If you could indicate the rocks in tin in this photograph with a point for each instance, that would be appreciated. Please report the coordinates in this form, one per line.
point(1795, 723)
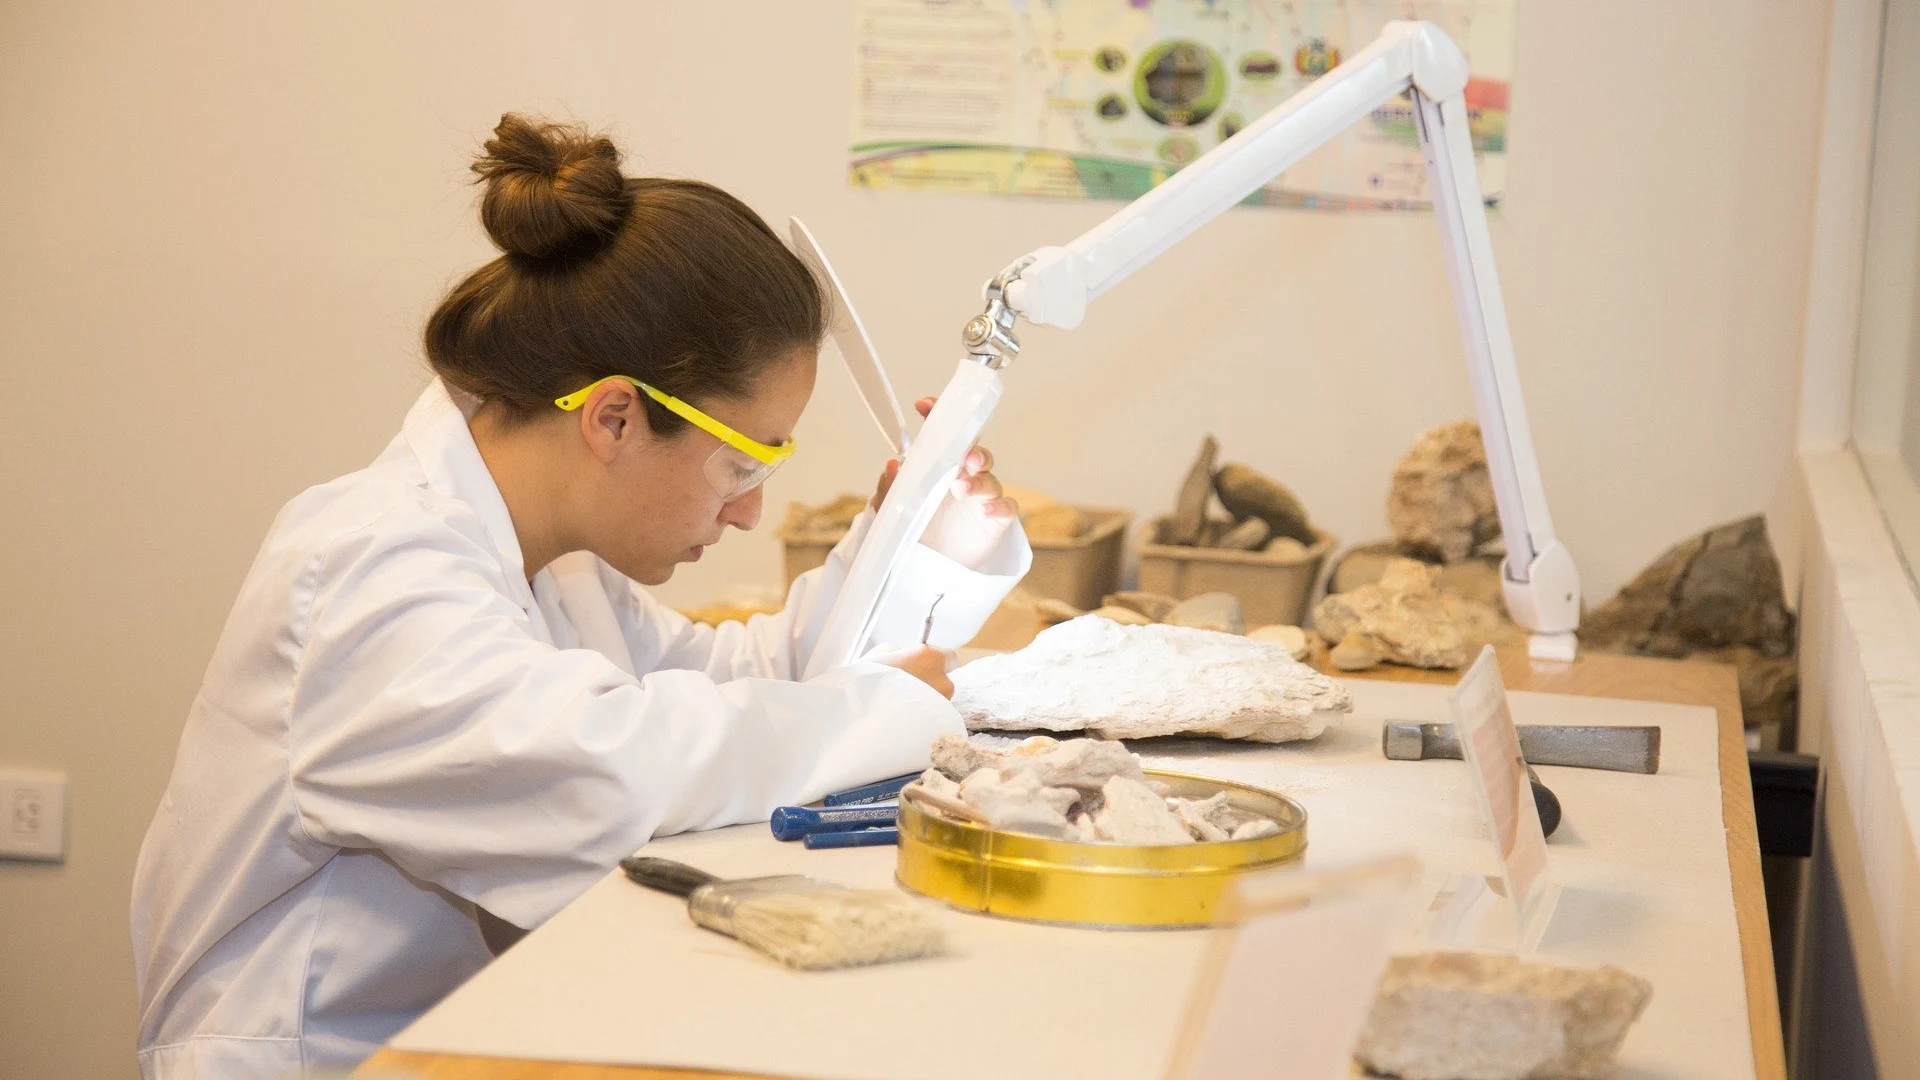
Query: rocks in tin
point(1085, 764)
point(1247, 492)
point(954, 756)
point(1124, 682)
point(1448, 1015)
point(1132, 814)
point(1216, 611)
point(1440, 502)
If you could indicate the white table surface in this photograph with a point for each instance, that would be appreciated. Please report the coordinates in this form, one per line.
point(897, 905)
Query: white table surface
point(622, 977)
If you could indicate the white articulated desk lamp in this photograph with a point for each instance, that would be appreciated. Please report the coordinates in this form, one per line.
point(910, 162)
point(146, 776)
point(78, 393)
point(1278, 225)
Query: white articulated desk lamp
point(1051, 287)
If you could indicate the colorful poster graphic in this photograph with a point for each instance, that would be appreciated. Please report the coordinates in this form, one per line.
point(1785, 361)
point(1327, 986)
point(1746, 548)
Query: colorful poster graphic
point(1103, 99)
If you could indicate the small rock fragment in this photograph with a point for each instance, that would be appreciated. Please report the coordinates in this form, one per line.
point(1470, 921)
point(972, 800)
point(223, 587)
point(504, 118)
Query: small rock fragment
point(1121, 615)
point(957, 758)
point(1190, 512)
point(1019, 803)
point(1356, 652)
point(1083, 764)
point(1057, 522)
point(1291, 638)
point(1192, 814)
point(1153, 605)
point(1250, 535)
point(1439, 1016)
point(1052, 612)
point(1133, 814)
point(1216, 611)
point(1255, 829)
point(1247, 492)
point(1084, 830)
point(939, 783)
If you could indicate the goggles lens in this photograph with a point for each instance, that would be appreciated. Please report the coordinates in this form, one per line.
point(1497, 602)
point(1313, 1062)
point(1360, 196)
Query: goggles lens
point(733, 473)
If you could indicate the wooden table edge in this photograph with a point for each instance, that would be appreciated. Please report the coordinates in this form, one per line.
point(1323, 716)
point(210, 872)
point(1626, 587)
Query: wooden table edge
point(1593, 675)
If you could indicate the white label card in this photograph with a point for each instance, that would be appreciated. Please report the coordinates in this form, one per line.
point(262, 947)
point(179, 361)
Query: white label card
point(1491, 747)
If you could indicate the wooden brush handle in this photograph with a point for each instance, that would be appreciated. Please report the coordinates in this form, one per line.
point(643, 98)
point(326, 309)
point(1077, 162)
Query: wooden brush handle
point(665, 874)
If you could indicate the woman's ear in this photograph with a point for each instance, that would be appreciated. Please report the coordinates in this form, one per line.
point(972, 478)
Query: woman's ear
point(612, 419)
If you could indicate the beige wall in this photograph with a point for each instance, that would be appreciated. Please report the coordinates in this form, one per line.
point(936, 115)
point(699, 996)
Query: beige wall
point(221, 227)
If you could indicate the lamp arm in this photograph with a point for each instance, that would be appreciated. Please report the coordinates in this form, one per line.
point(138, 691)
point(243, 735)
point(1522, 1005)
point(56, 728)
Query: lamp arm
point(1052, 285)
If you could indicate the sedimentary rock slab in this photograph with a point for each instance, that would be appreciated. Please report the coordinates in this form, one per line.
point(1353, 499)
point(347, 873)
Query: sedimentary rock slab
point(1487, 1016)
point(1126, 682)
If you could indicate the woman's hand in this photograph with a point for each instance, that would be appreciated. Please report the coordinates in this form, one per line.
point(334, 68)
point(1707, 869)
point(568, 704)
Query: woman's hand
point(976, 513)
point(923, 662)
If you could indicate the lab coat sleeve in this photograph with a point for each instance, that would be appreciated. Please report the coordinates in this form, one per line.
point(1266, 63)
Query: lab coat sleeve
point(778, 646)
point(430, 724)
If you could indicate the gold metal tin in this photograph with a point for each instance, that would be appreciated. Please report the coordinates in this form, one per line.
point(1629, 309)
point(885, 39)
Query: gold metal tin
point(1113, 886)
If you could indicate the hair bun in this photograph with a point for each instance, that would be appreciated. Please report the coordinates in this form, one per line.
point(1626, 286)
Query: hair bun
point(552, 189)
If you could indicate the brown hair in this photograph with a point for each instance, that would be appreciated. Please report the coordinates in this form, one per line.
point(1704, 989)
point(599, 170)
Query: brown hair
point(673, 282)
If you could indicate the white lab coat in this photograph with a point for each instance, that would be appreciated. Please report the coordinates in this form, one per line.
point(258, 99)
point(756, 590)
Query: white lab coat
point(396, 727)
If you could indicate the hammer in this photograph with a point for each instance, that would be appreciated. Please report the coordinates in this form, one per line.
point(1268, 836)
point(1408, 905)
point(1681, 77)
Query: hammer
point(1620, 749)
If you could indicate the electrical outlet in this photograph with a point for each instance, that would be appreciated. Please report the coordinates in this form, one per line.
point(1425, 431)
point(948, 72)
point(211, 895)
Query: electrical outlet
point(33, 815)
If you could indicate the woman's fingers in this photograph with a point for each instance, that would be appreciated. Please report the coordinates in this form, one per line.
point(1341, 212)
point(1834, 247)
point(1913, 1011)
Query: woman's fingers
point(924, 406)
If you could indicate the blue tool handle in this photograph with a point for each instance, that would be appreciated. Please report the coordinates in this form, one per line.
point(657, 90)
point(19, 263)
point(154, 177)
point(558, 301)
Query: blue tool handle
point(794, 822)
point(884, 789)
point(856, 838)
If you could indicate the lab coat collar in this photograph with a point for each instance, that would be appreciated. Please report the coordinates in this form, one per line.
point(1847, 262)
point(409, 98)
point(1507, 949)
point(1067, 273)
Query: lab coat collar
point(436, 431)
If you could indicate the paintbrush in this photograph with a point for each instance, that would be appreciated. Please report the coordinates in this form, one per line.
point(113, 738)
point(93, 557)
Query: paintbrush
point(803, 923)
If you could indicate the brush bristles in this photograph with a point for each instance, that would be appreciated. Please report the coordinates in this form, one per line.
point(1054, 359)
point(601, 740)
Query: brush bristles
point(816, 929)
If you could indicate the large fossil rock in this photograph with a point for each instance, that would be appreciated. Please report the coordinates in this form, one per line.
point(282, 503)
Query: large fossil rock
point(1406, 619)
point(1717, 596)
point(1128, 682)
point(1486, 1016)
point(1441, 500)
point(1247, 492)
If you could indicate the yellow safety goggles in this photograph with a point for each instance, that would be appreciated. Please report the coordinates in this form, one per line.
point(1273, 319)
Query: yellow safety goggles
point(738, 465)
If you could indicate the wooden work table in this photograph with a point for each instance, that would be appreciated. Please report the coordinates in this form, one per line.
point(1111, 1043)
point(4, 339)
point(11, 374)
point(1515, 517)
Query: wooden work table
point(1592, 675)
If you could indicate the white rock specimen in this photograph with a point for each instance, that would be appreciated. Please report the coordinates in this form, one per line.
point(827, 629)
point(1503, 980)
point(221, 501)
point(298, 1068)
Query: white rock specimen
point(1127, 682)
point(1019, 803)
point(1291, 638)
point(1193, 814)
point(1441, 501)
point(1256, 828)
point(1487, 1016)
point(939, 783)
point(1408, 619)
point(957, 758)
point(1082, 764)
point(1215, 611)
point(1133, 814)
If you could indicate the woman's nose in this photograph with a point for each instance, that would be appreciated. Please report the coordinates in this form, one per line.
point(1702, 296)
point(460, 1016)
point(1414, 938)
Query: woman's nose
point(743, 513)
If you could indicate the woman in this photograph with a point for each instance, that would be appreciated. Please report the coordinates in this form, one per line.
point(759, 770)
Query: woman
point(441, 701)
